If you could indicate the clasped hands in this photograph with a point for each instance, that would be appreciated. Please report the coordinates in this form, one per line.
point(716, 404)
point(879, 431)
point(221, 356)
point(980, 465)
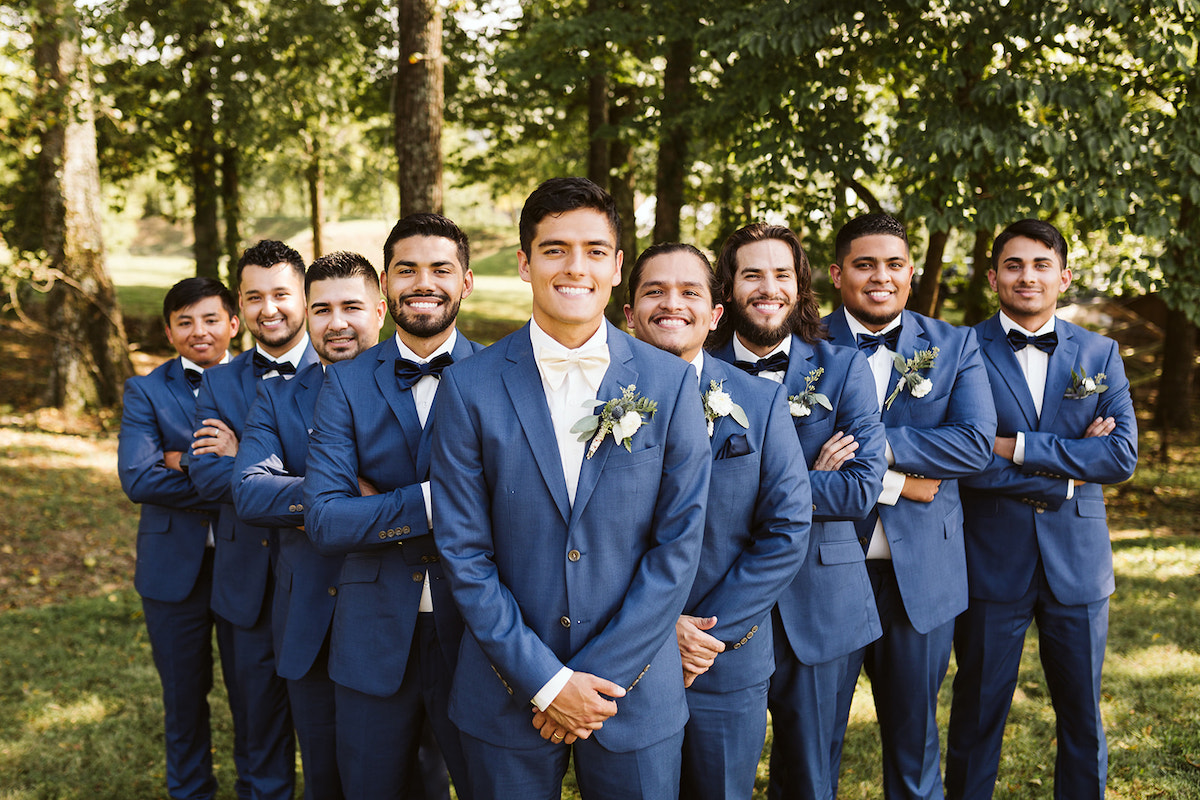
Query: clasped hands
point(580, 708)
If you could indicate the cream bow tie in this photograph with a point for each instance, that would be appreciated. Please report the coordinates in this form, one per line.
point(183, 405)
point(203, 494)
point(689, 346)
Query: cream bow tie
point(592, 362)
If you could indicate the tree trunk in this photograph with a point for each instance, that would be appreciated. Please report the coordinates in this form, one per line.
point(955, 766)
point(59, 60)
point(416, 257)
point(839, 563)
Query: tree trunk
point(418, 102)
point(315, 174)
point(622, 188)
point(1173, 410)
point(231, 204)
point(90, 356)
point(975, 304)
point(202, 159)
point(599, 166)
point(673, 140)
point(925, 299)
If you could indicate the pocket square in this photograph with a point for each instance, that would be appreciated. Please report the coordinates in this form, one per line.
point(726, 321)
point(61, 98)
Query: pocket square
point(736, 445)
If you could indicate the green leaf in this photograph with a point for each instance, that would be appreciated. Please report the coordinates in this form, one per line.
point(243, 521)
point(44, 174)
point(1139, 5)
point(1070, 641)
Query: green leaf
point(586, 426)
point(823, 401)
point(739, 416)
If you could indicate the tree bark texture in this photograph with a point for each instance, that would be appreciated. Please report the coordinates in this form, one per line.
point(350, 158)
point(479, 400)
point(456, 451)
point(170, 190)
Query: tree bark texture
point(925, 299)
point(315, 175)
point(418, 102)
point(89, 354)
point(673, 140)
point(231, 203)
point(975, 305)
point(202, 159)
point(622, 189)
point(1173, 409)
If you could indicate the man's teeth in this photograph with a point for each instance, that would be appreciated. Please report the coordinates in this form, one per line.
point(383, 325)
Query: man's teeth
point(424, 303)
point(574, 290)
point(671, 322)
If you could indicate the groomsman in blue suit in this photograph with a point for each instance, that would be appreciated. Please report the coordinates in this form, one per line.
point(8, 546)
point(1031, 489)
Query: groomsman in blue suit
point(772, 328)
point(345, 314)
point(939, 419)
point(270, 277)
point(570, 472)
point(175, 542)
point(755, 531)
point(366, 496)
point(1037, 539)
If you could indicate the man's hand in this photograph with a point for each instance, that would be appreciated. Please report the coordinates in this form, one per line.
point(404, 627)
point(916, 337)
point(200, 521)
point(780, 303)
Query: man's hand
point(1101, 426)
point(697, 649)
point(1005, 446)
point(579, 709)
point(835, 452)
point(922, 490)
point(365, 487)
point(214, 438)
point(171, 460)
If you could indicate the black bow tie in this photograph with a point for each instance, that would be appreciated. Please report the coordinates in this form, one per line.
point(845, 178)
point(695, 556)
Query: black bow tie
point(263, 365)
point(193, 377)
point(774, 363)
point(870, 342)
point(409, 372)
point(1019, 341)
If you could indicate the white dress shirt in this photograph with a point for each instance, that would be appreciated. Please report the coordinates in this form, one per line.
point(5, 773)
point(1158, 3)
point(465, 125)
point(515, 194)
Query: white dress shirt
point(292, 356)
point(742, 353)
point(422, 393)
point(566, 403)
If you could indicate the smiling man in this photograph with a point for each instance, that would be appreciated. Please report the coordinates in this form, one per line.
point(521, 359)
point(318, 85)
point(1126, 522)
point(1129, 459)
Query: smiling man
point(345, 313)
point(755, 530)
point(570, 555)
point(366, 497)
point(939, 423)
point(1037, 540)
point(270, 277)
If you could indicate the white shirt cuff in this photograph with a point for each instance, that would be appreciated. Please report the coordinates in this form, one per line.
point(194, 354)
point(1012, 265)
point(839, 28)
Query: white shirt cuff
point(1070, 488)
point(888, 454)
point(428, 504)
point(547, 693)
point(893, 484)
point(1019, 450)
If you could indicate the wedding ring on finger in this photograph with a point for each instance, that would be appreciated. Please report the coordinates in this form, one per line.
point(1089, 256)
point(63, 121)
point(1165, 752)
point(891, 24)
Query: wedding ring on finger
point(558, 737)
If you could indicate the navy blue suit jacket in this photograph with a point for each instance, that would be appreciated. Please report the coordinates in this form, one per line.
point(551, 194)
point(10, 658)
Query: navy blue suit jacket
point(1018, 514)
point(829, 609)
point(173, 530)
point(364, 425)
point(946, 434)
point(268, 491)
point(243, 557)
point(541, 583)
point(756, 528)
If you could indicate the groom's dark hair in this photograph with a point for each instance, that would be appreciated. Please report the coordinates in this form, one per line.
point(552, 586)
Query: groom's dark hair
point(560, 195)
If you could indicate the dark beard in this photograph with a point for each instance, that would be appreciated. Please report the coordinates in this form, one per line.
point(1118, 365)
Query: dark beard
point(759, 336)
point(869, 320)
point(424, 327)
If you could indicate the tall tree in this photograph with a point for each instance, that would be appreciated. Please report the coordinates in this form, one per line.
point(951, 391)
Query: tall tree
point(419, 100)
point(90, 357)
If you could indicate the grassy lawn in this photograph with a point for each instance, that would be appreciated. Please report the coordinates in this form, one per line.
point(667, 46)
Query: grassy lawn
point(80, 713)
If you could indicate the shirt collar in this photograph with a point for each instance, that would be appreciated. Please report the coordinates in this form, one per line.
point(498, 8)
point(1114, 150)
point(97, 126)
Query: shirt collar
point(857, 327)
point(292, 356)
point(1007, 323)
point(544, 342)
point(445, 347)
point(698, 363)
point(742, 353)
point(189, 364)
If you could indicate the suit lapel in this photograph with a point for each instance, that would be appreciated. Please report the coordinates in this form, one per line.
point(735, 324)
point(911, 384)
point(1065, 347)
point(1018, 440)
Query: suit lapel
point(305, 399)
point(714, 371)
point(401, 403)
point(1058, 374)
point(249, 381)
point(620, 373)
point(800, 364)
point(523, 383)
point(998, 351)
point(462, 348)
point(912, 339)
point(181, 390)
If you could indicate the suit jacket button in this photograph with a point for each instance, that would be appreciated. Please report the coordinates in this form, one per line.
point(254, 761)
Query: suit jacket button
point(418, 577)
point(1041, 510)
point(403, 531)
point(299, 506)
point(564, 621)
point(573, 555)
point(265, 543)
point(332, 591)
point(862, 540)
point(292, 507)
point(391, 532)
point(814, 506)
point(382, 534)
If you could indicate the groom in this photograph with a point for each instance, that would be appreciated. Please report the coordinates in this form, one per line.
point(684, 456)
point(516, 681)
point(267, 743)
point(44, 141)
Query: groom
point(570, 560)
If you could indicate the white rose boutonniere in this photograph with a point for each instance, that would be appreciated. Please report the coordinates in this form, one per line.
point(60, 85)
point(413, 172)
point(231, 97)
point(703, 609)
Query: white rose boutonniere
point(623, 416)
point(1082, 386)
point(718, 403)
point(910, 375)
point(801, 405)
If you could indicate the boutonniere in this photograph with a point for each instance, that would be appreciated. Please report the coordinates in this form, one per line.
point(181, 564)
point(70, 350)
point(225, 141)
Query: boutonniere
point(1082, 386)
point(621, 415)
point(910, 374)
point(800, 405)
point(718, 403)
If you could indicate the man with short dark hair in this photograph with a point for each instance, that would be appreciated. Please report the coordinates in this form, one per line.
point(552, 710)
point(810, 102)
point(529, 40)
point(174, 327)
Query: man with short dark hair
point(1037, 541)
point(932, 391)
point(174, 543)
point(270, 279)
point(755, 528)
point(366, 497)
point(772, 328)
point(570, 471)
point(345, 314)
